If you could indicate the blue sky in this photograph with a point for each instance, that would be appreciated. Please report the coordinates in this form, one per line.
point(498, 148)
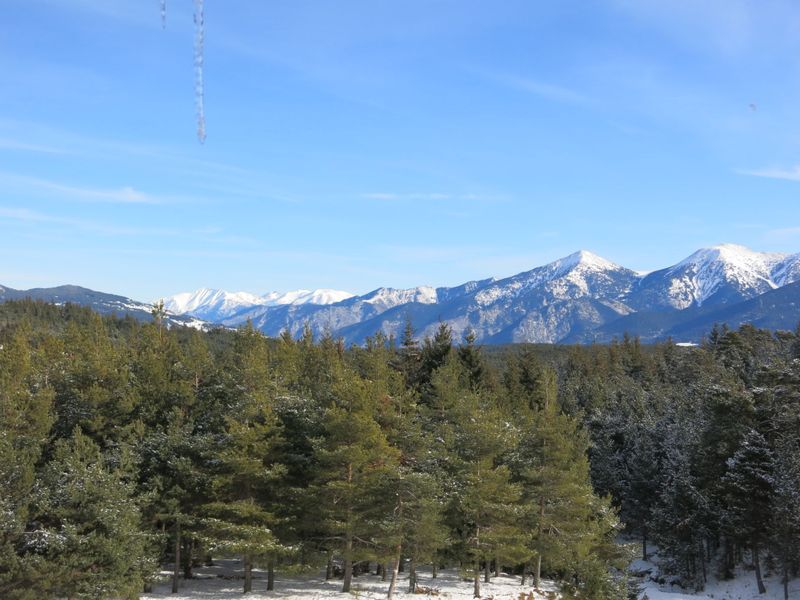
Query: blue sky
point(359, 143)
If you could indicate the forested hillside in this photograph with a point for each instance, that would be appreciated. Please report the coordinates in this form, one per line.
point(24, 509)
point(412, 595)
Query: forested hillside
point(125, 446)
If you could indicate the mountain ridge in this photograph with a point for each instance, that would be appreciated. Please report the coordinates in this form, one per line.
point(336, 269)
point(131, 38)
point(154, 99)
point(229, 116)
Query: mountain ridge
point(580, 298)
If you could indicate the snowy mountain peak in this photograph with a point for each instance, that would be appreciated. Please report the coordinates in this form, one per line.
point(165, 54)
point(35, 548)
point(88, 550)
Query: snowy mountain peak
point(388, 297)
point(729, 270)
point(736, 256)
point(207, 302)
point(585, 260)
point(319, 296)
point(217, 305)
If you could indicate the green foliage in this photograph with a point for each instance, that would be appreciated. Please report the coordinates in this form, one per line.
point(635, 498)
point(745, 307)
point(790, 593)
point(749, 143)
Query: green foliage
point(87, 534)
point(125, 445)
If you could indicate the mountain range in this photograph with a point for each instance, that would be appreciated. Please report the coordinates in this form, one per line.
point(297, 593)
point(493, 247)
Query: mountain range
point(100, 302)
point(581, 298)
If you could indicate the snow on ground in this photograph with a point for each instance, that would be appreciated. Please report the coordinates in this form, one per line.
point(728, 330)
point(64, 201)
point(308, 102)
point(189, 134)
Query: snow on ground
point(743, 587)
point(223, 581)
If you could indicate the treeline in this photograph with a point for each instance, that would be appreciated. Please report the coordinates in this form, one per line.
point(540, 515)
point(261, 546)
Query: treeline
point(126, 446)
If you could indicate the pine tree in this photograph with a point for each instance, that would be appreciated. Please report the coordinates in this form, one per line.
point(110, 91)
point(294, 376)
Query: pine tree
point(785, 522)
point(355, 460)
point(26, 416)
point(572, 527)
point(750, 485)
point(472, 361)
point(485, 500)
point(88, 525)
point(247, 474)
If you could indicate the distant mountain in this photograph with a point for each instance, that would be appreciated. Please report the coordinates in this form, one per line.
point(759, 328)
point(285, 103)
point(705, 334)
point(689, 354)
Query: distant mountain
point(100, 302)
point(544, 304)
point(219, 305)
point(719, 275)
point(581, 298)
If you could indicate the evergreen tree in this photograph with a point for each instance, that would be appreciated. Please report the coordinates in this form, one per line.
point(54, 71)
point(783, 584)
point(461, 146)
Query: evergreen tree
point(572, 527)
point(247, 475)
point(785, 523)
point(26, 416)
point(750, 485)
point(355, 460)
point(88, 526)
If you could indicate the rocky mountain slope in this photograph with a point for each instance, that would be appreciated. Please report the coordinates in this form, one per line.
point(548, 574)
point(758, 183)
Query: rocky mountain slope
point(580, 298)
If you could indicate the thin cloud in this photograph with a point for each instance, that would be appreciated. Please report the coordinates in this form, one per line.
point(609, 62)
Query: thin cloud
point(9, 144)
point(123, 195)
point(783, 232)
point(544, 89)
point(394, 196)
point(29, 216)
point(791, 174)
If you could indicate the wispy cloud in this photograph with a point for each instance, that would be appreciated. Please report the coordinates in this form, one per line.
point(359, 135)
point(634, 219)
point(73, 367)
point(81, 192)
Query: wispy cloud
point(395, 196)
point(790, 174)
point(544, 89)
point(122, 195)
point(10, 144)
point(783, 233)
point(25, 215)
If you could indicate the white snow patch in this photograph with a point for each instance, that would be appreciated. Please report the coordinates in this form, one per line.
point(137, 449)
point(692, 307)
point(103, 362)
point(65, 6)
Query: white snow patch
point(224, 581)
point(389, 297)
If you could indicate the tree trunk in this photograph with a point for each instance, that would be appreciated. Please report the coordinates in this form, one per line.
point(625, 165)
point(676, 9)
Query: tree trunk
point(487, 571)
point(176, 571)
point(476, 587)
point(757, 564)
point(524, 572)
point(187, 558)
point(329, 567)
point(384, 570)
point(348, 564)
point(271, 573)
point(785, 580)
point(537, 574)
point(395, 570)
point(412, 576)
point(703, 561)
point(435, 569)
point(644, 543)
point(248, 574)
point(497, 566)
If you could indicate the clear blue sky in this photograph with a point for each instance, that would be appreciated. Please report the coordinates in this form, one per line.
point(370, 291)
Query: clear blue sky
point(359, 143)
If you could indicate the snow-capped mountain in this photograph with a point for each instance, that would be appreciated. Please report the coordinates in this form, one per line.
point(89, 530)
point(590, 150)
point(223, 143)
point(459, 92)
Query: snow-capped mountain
point(718, 275)
point(579, 298)
point(544, 304)
point(787, 271)
point(100, 302)
point(219, 305)
point(211, 305)
point(320, 296)
point(339, 315)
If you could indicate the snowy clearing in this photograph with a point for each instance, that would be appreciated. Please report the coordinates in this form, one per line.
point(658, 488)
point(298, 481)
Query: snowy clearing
point(743, 587)
point(223, 581)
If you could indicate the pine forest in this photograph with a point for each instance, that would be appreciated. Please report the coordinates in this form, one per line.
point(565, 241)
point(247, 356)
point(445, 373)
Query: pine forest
point(128, 446)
